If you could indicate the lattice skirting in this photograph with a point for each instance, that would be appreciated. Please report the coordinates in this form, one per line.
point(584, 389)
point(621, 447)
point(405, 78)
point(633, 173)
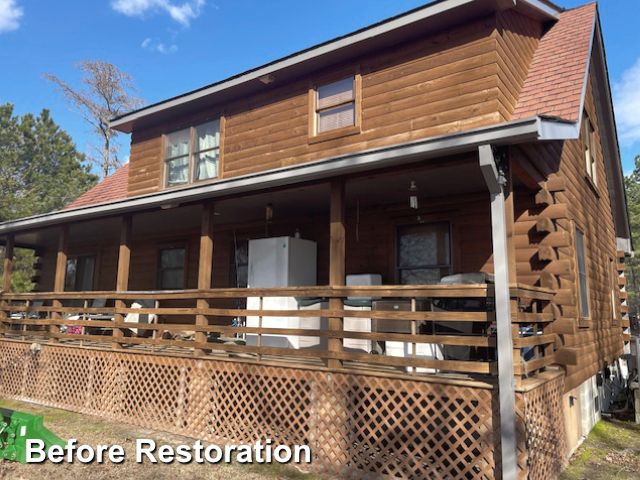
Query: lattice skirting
point(358, 425)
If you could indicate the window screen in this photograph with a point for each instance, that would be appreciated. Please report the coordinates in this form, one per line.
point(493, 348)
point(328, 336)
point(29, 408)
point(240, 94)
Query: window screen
point(582, 272)
point(335, 105)
point(423, 254)
point(171, 268)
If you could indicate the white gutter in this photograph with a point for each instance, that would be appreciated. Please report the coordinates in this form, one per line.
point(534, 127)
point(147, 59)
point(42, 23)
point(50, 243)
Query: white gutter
point(545, 8)
point(529, 129)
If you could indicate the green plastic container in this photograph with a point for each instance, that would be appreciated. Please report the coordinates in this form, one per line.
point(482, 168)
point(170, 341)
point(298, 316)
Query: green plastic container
point(18, 427)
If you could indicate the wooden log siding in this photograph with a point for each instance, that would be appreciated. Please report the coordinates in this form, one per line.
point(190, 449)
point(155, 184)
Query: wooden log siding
point(532, 313)
point(572, 201)
point(462, 78)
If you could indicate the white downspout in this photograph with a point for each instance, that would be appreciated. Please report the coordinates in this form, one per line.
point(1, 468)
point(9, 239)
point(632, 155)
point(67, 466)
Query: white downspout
point(495, 182)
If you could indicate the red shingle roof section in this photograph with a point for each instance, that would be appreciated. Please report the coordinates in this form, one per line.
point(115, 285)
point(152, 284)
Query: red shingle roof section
point(556, 78)
point(112, 188)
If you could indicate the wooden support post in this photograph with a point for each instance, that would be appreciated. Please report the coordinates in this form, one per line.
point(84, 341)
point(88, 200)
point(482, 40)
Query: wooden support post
point(8, 264)
point(6, 280)
point(496, 182)
point(122, 279)
point(337, 264)
point(204, 269)
point(509, 213)
point(60, 276)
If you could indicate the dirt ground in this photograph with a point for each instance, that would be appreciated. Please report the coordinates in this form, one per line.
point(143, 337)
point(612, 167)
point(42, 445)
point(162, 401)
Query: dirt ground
point(611, 452)
point(92, 431)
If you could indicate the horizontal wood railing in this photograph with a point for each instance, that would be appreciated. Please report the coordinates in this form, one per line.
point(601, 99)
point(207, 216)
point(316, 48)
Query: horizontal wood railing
point(461, 335)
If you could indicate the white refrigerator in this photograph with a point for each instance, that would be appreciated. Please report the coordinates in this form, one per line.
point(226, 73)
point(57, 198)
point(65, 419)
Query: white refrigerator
point(282, 262)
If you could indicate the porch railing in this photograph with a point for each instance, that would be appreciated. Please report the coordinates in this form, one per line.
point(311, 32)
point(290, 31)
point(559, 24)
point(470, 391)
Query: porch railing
point(440, 329)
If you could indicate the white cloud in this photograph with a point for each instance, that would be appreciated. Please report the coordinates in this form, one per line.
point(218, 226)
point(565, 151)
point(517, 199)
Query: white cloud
point(10, 14)
point(155, 45)
point(627, 105)
point(182, 13)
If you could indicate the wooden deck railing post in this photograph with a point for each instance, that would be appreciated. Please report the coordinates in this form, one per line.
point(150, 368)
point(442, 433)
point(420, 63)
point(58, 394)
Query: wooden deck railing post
point(60, 276)
point(6, 279)
point(337, 264)
point(122, 279)
point(205, 268)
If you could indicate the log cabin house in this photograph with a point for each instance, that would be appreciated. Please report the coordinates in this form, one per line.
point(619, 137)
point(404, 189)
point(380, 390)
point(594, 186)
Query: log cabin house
point(403, 247)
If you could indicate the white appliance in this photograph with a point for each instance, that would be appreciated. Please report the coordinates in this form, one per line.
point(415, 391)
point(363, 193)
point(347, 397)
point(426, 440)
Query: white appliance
point(364, 280)
point(355, 324)
point(362, 304)
point(427, 351)
point(281, 262)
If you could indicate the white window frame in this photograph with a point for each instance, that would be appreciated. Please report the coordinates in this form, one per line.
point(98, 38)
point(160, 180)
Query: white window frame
point(191, 154)
point(315, 111)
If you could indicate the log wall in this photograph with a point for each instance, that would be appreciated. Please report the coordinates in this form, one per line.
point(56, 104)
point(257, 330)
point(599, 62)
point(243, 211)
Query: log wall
point(465, 77)
point(545, 228)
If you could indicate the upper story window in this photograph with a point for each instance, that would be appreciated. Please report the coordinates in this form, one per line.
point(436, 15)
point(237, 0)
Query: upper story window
point(589, 148)
point(192, 154)
point(335, 108)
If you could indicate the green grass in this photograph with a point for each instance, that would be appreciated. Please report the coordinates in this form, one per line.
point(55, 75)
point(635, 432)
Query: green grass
point(611, 452)
point(93, 431)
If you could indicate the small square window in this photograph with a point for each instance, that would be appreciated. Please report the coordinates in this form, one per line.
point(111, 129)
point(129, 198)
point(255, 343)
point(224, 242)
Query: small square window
point(335, 106)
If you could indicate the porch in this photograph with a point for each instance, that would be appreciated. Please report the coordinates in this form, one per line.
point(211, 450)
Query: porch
point(184, 269)
point(397, 380)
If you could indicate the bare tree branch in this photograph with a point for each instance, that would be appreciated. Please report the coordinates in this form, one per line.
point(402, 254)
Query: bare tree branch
point(107, 93)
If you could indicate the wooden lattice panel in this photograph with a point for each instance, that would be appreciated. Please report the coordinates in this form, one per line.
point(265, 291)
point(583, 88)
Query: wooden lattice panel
point(543, 415)
point(358, 425)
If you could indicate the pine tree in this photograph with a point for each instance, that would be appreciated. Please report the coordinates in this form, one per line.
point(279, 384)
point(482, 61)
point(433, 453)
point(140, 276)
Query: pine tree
point(40, 171)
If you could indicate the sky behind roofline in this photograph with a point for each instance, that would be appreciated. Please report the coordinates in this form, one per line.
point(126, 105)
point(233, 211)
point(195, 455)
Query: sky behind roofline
point(174, 46)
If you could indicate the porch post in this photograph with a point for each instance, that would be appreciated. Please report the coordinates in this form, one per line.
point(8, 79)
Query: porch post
point(337, 264)
point(122, 279)
point(60, 276)
point(496, 182)
point(8, 264)
point(205, 268)
point(6, 278)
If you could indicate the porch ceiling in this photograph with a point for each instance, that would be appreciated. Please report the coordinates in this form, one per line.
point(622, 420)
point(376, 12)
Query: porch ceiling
point(452, 176)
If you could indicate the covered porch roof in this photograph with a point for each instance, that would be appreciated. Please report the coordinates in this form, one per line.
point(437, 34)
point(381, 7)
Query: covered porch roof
point(531, 129)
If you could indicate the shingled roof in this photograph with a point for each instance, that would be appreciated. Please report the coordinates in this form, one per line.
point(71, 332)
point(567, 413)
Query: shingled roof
point(558, 71)
point(112, 188)
point(553, 87)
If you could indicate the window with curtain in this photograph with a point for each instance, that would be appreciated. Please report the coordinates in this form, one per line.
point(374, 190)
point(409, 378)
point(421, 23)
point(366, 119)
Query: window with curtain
point(336, 105)
point(423, 254)
point(589, 148)
point(192, 154)
point(171, 268)
point(582, 274)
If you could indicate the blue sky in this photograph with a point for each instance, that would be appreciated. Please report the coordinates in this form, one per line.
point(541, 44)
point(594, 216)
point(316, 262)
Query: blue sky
point(173, 46)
